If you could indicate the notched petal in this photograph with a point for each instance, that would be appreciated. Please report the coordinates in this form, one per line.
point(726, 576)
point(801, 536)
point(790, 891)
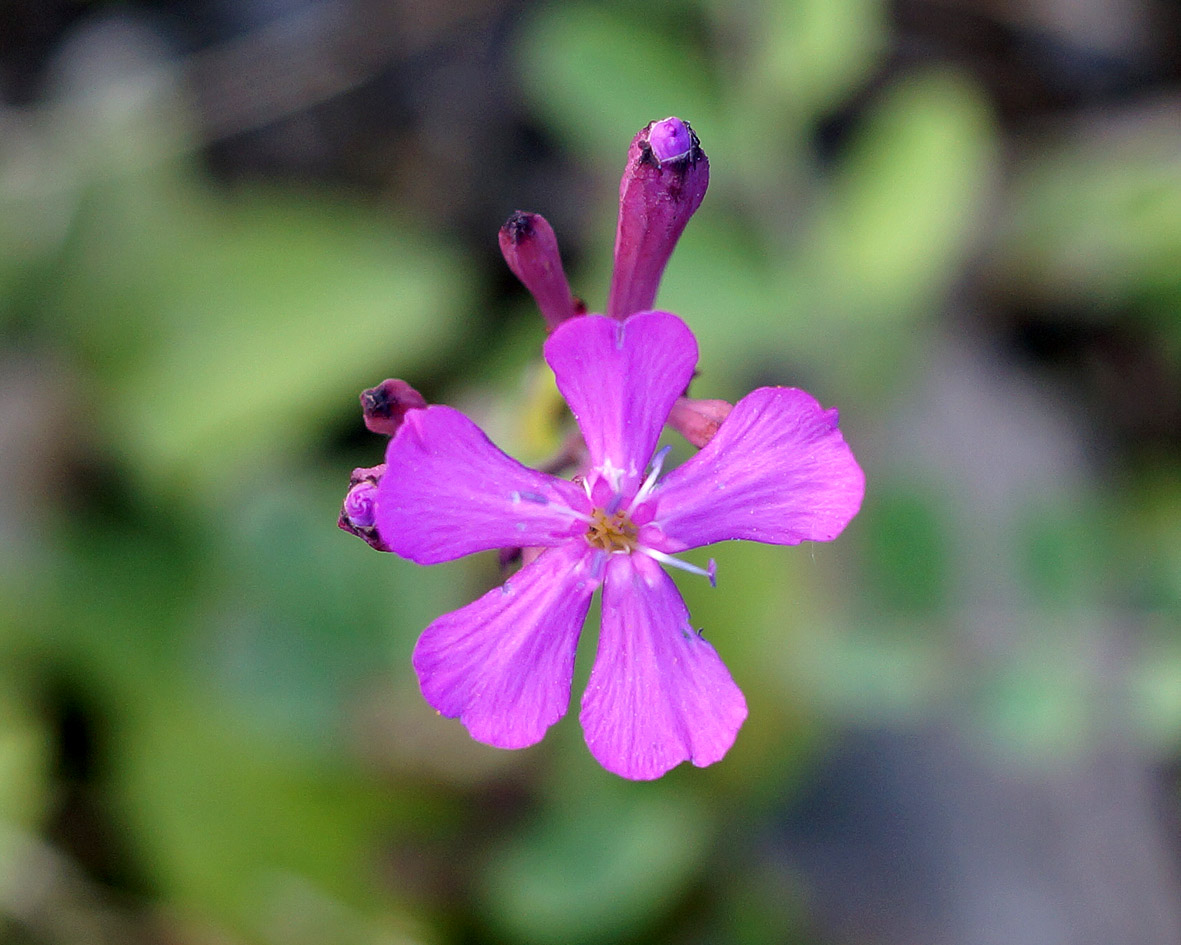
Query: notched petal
point(658, 693)
point(621, 380)
point(502, 665)
point(778, 470)
point(448, 492)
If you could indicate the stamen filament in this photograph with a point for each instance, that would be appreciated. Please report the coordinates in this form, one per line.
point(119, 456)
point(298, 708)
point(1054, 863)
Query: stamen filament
point(669, 561)
point(573, 514)
point(653, 473)
point(559, 507)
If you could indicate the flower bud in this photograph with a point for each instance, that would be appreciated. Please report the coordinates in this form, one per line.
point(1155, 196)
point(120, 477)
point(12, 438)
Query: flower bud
point(385, 405)
point(698, 420)
point(530, 248)
point(662, 187)
point(358, 514)
point(670, 139)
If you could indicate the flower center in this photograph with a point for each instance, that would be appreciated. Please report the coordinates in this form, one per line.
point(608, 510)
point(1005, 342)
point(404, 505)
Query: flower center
point(611, 533)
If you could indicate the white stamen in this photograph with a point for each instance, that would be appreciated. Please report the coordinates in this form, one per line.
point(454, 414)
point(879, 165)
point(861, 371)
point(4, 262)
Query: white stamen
point(558, 508)
point(671, 562)
point(653, 475)
point(572, 514)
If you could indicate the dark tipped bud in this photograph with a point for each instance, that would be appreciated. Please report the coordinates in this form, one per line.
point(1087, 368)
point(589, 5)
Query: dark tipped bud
point(663, 185)
point(530, 248)
point(698, 420)
point(358, 513)
point(385, 406)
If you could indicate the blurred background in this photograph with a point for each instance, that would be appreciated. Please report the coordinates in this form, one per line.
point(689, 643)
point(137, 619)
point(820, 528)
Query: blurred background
point(221, 219)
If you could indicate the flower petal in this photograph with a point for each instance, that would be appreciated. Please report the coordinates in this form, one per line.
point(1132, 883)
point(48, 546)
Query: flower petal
point(503, 663)
point(620, 380)
point(658, 694)
point(448, 491)
point(777, 471)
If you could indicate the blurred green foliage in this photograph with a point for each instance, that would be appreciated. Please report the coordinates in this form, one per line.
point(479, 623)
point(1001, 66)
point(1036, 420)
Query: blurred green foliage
point(259, 750)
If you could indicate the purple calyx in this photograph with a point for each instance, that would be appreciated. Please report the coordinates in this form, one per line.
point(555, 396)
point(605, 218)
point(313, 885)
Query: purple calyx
point(530, 248)
point(663, 184)
point(698, 421)
point(385, 406)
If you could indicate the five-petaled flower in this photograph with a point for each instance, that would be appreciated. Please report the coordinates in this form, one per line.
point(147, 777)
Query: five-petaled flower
point(778, 471)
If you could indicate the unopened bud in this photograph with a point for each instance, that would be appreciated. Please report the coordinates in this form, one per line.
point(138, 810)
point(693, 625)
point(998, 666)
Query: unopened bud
point(358, 513)
point(670, 139)
point(698, 420)
point(385, 405)
point(530, 248)
point(663, 185)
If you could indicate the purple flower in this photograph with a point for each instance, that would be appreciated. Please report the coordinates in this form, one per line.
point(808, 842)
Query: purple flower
point(777, 471)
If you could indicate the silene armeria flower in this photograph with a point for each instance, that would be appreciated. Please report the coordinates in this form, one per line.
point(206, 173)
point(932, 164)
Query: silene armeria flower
point(777, 470)
point(771, 468)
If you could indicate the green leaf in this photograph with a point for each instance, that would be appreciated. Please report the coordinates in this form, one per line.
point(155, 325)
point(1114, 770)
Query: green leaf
point(595, 868)
point(909, 551)
point(598, 75)
point(225, 327)
point(905, 203)
point(25, 758)
point(810, 54)
point(720, 281)
point(1097, 228)
point(226, 821)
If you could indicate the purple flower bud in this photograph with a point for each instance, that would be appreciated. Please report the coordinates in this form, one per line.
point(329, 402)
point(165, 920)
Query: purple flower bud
point(358, 514)
point(530, 248)
point(360, 506)
point(698, 420)
point(670, 139)
point(662, 187)
point(386, 404)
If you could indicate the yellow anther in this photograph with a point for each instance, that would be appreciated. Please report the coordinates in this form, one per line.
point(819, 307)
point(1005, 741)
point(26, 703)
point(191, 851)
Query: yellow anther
point(616, 533)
